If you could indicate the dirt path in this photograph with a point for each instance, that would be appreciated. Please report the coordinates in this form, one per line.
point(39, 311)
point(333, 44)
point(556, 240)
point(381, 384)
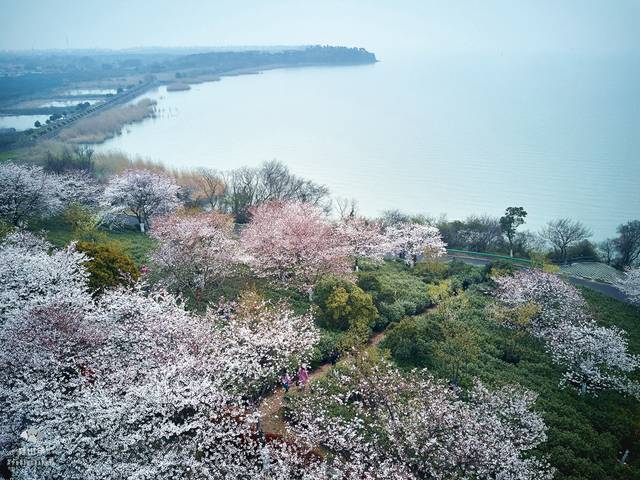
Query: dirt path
point(271, 420)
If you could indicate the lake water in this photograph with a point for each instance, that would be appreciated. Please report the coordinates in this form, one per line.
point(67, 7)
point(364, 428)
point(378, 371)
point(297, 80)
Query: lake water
point(68, 103)
point(21, 122)
point(90, 91)
point(459, 134)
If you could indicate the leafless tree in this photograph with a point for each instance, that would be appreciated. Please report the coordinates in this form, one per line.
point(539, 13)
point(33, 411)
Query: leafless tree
point(211, 187)
point(481, 232)
point(346, 207)
point(628, 244)
point(249, 187)
point(607, 251)
point(564, 232)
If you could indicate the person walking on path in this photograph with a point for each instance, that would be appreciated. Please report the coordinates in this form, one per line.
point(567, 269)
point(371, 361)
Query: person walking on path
point(286, 382)
point(303, 377)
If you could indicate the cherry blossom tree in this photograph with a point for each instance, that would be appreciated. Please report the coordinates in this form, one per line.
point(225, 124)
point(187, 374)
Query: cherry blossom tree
point(133, 386)
point(80, 188)
point(364, 238)
point(380, 423)
point(630, 284)
point(294, 244)
point(26, 191)
point(410, 240)
point(31, 276)
point(557, 300)
point(142, 193)
point(262, 339)
point(594, 357)
point(194, 251)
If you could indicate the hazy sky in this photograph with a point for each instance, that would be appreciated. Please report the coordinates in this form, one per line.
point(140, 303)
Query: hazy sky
point(379, 25)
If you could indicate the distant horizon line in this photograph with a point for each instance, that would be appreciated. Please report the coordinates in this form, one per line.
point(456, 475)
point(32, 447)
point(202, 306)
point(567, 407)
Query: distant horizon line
point(143, 49)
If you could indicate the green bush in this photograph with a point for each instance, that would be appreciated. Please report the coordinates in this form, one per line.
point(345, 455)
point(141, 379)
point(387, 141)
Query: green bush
point(441, 342)
point(497, 268)
point(108, 266)
point(431, 270)
point(411, 341)
point(342, 303)
point(463, 275)
point(439, 292)
point(5, 229)
point(344, 306)
point(395, 292)
point(327, 348)
point(390, 313)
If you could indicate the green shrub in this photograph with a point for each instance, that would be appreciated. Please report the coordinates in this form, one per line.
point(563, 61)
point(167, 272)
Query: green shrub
point(390, 313)
point(464, 278)
point(395, 292)
point(108, 266)
point(327, 347)
point(84, 223)
point(5, 229)
point(497, 268)
point(431, 270)
point(342, 304)
point(411, 341)
point(438, 292)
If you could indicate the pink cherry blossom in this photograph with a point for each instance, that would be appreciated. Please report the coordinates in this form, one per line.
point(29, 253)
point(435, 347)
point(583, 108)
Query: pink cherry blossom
point(294, 244)
point(194, 250)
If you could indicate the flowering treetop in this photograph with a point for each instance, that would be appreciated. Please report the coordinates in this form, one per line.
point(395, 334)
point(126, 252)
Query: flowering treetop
point(594, 357)
point(194, 250)
point(261, 340)
point(142, 192)
point(410, 240)
point(131, 385)
point(79, 187)
point(27, 191)
point(31, 276)
point(294, 243)
point(365, 239)
point(630, 284)
point(559, 301)
point(391, 425)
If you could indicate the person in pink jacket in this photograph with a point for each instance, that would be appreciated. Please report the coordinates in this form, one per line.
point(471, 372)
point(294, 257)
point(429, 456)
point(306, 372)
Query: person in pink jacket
point(303, 377)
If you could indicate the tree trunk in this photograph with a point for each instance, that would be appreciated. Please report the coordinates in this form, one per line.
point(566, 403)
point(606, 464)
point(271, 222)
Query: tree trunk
point(623, 460)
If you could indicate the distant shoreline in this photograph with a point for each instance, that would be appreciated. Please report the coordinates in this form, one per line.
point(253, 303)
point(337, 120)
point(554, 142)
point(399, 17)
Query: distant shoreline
point(182, 83)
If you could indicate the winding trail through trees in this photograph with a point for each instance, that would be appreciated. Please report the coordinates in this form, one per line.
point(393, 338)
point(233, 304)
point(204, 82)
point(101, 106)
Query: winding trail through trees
point(270, 409)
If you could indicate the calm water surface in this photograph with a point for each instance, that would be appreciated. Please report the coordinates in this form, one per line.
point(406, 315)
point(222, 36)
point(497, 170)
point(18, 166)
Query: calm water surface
point(430, 134)
point(21, 122)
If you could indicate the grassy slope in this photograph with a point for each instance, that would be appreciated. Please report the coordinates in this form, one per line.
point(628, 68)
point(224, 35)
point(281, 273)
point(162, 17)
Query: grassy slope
point(134, 244)
point(7, 155)
point(586, 434)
